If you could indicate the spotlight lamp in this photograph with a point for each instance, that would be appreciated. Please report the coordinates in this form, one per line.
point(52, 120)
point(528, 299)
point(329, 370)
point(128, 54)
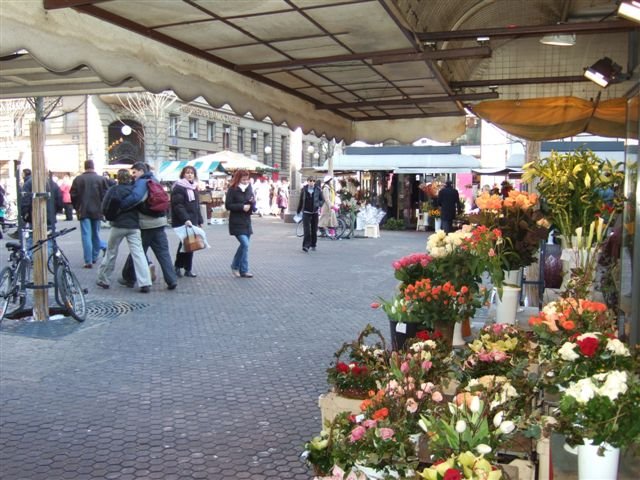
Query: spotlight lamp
point(604, 72)
point(630, 9)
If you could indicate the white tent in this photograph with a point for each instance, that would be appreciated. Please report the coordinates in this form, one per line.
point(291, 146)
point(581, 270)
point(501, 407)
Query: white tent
point(170, 170)
point(234, 161)
point(406, 163)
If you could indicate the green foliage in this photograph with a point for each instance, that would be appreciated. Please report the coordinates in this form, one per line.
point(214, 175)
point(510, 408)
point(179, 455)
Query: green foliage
point(393, 224)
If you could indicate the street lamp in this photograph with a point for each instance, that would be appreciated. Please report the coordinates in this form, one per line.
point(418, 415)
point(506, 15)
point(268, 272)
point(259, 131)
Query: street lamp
point(267, 152)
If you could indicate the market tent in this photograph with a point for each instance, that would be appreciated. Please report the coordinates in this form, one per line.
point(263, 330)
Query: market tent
point(234, 161)
point(170, 170)
point(406, 164)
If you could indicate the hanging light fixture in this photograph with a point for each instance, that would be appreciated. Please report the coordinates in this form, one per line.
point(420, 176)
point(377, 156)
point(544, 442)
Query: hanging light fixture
point(559, 39)
point(630, 9)
point(603, 72)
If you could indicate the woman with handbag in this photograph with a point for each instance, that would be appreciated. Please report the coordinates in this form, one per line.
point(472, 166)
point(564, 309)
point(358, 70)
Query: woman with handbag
point(185, 211)
point(241, 203)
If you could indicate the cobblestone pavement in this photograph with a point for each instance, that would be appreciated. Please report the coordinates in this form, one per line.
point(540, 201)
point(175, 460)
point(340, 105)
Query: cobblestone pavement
point(218, 379)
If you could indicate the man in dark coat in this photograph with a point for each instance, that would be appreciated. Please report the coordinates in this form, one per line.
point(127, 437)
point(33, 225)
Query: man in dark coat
point(87, 192)
point(54, 205)
point(449, 202)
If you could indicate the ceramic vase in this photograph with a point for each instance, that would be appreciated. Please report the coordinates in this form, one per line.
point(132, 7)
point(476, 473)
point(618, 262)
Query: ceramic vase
point(592, 466)
point(458, 340)
point(438, 224)
point(507, 306)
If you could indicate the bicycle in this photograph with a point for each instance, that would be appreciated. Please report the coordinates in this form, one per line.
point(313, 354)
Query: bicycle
point(325, 232)
point(14, 279)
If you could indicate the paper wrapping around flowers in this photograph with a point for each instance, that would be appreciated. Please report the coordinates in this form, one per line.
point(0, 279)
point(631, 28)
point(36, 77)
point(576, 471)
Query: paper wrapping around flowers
point(369, 215)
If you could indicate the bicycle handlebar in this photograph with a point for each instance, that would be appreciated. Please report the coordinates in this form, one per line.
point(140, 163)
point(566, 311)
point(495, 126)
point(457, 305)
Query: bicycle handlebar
point(39, 243)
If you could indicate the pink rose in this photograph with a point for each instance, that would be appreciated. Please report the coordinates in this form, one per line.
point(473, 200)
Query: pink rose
point(369, 423)
point(499, 356)
point(484, 357)
point(412, 406)
point(357, 433)
point(386, 433)
point(436, 397)
point(426, 365)
point(404, 368)
point(419, 394)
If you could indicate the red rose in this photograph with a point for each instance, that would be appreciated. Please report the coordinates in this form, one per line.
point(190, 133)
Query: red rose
point(452, 474)
point(588, 346)
point(375, 305)
point(342, 367)
point(356, 370)
point(423, 335)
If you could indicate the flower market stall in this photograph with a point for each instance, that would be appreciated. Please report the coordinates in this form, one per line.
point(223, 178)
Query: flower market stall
point(436, 407)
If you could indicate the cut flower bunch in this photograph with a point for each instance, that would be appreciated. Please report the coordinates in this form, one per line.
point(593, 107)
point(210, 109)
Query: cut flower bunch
point(464, 466)
point(521, 222)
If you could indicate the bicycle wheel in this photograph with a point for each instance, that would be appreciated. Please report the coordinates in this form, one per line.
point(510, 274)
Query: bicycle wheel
point(340, 229)
point(10, 298)
point(300, 230)
point(51, 263)
point(71, 293)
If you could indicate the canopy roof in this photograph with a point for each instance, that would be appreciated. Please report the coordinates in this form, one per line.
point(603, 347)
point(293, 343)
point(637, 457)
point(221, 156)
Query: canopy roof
point(170, 170)
point(370, 70)
point(235, 161)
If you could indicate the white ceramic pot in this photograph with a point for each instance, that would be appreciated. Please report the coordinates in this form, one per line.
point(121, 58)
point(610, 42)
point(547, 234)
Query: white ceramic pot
point(592, 466)
point(507, 306)
point(512, 277)
point(458, 339)
point(438, 224)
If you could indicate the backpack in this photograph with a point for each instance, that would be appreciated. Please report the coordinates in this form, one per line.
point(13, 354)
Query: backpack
point(111, 207)
point(157, 198)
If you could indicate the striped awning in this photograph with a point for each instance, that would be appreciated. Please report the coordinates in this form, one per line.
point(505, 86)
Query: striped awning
point(170, 170)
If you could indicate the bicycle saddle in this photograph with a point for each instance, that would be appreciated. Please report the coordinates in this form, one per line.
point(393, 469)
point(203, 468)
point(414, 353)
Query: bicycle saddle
point(12, 246)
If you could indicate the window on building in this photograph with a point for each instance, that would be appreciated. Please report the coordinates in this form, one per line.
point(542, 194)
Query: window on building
point(193, 154)
point(226, 137)
point(71, 122)
point(193, 128)
point(173, 125)
point(17, 126)
point(254, 142)
point(241, 140)
point(173, 153)
point(211, 132)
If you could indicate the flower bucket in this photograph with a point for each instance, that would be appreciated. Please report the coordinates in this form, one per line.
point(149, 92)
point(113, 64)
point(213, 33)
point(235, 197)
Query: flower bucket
point(592, 466)
point(400, 333)
point(438, 224)
point(458, 340)
point(512, 277)
point(507, 306)
point(447, 330)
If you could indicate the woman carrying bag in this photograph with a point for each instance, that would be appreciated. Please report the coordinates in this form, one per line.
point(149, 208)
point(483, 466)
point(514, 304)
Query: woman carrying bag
point(185, 211)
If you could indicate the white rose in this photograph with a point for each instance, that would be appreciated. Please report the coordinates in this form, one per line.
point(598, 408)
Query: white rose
point(567, 353)
point(582, 390)
point(587, 335)
point(615, 384)
point(617, 347)
point(550, 309)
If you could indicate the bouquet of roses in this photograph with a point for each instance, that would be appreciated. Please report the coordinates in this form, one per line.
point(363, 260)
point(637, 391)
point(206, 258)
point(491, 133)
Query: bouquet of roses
point(521, 222)
point(603, 407)
point(411, 268)
point(463, 466)
point(587, 355)
point(563, 318)
point(499, 349)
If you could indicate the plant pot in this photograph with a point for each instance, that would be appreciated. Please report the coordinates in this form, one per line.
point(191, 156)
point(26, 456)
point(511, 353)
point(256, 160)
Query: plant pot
point(507, 306)
point(592, 466)
point(447, 330)
point(400, 333)
point(512, 277)
point(457, 340)
point(438, 224)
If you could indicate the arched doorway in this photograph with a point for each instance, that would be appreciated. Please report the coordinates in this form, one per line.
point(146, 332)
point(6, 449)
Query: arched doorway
point(126, 142)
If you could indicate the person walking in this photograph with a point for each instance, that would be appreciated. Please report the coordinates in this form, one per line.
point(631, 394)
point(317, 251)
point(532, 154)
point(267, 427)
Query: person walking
point(65, 189)
point(87, 192)
point(241, 203)
point(185, 211)
point(449, 202)
point(152, 229)
point(123, 226)
point(283, 197)
point(327, 220)
point(309, 204)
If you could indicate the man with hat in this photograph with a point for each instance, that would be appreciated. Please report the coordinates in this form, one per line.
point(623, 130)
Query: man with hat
point(449, 202)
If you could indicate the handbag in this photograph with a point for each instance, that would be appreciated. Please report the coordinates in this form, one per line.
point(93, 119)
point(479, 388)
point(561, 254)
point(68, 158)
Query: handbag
point(193, 241)
point(297, 217)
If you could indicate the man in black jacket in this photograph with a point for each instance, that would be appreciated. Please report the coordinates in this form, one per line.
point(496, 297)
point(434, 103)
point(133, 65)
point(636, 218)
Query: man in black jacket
point(309, 204)
point(124, 225)
point(54, 205)
point(449, 202)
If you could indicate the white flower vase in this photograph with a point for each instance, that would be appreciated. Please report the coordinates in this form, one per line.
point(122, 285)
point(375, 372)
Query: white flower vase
point(438, 224)
point(592, 466)
point(507, 306)
point(458, 340)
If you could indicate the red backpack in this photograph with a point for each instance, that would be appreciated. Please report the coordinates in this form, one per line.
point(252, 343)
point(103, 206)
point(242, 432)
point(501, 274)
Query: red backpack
point(157, 198)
